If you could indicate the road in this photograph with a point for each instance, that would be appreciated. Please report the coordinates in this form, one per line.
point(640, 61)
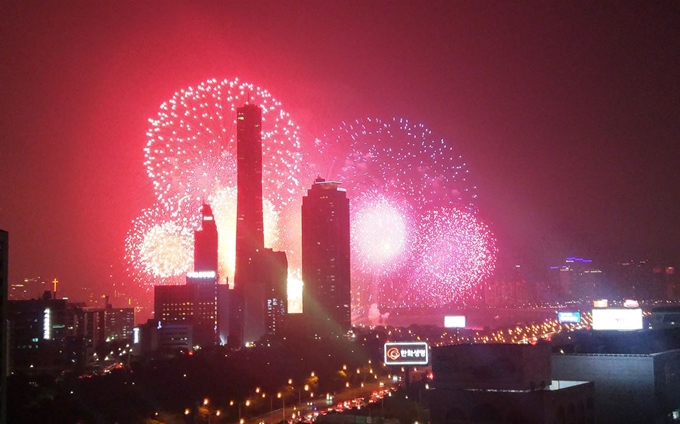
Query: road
point(277, 415)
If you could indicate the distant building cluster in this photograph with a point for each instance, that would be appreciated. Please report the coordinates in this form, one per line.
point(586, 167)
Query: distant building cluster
point(582, 279)
point(203, 313)
point(47, 334)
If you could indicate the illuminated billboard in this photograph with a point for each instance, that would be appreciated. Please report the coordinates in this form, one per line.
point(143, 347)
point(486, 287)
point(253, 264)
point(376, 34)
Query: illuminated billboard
point(454, 321)
point(406, 353)
point(565, 317)
point(617, 319)
point(202, 274)
point(630, 303)
point(602, 303)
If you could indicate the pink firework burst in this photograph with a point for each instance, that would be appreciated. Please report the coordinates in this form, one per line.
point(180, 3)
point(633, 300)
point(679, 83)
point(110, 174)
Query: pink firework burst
point(396, 174)
point(396, 158)
point(191, 148)
point(456, 252)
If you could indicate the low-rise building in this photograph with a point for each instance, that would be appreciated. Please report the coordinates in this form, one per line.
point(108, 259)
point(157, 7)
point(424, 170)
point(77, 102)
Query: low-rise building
point(504, 383)
point(629, 388)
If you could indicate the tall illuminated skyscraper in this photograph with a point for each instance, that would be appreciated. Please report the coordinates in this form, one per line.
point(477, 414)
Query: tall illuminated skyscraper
point(258, 271)
point(326, 258)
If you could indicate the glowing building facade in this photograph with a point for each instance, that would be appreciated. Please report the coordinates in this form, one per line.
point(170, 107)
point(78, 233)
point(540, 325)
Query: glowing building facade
point(326, 258)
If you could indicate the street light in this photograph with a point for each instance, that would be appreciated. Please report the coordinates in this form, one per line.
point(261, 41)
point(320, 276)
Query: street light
point(306, 388)
point(245, 402)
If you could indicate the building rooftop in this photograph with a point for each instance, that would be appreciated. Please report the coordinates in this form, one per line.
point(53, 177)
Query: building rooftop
point(554, 386)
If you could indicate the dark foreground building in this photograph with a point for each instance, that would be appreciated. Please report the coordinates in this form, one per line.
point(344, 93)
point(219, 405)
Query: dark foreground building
point(504, 383)
point(326, 258)
point(4, 346)
point(636, 373)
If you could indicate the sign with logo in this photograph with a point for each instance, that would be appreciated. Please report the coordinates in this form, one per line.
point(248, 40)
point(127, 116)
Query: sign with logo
point(406, 353)
point(564, 317)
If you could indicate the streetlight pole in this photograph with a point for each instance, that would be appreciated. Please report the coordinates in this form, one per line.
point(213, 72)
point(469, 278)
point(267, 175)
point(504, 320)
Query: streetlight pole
point(246, 403)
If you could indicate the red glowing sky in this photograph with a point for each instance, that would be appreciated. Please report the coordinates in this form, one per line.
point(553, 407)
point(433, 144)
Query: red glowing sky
point(567, 114)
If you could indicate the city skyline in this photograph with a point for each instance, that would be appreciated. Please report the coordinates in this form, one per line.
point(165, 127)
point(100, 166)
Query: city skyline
point(565, 115)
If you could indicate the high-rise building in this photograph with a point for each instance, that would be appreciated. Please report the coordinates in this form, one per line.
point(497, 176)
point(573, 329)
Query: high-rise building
point(199, 302)
point(118, 322)
point(258, 298)
point(4, 345)
point(249, 225)
point(38, 329)
point(326, 258)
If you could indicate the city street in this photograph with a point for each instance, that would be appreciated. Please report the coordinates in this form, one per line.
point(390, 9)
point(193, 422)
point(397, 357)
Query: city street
point(278, 415)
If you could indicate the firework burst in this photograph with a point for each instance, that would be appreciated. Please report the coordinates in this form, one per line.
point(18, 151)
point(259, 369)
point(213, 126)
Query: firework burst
point(456, 252)
point(159, 247)
point(191, 147)
point(380, 234)
point(407, 181)
point(397, 158)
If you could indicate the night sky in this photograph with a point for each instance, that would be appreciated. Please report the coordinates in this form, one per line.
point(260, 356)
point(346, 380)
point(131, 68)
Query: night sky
point(568, 114)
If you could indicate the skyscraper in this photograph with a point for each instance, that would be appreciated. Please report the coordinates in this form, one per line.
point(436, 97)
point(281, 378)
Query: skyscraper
point(258, 304)
point(249, 224)
point(326, 258)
